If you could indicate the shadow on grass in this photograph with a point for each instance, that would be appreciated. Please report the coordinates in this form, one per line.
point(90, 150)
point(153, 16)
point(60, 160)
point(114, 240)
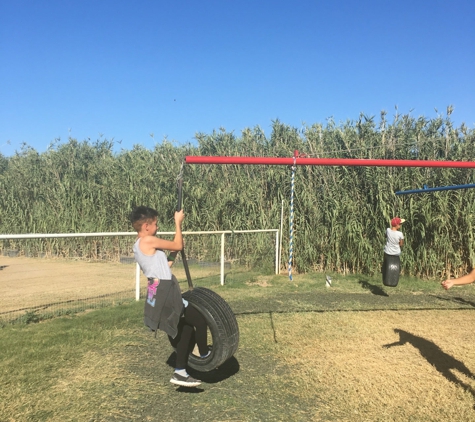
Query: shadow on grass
point(460, 300)
point(376, 290)
point(443, 362)
point(192, 390)
point(323, 311)
point(226, 370)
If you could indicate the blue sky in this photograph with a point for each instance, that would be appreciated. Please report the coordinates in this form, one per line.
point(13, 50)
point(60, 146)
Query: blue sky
point(125, 70)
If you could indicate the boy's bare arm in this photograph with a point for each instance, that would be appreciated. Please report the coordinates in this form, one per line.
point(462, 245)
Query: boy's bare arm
point(149, 244)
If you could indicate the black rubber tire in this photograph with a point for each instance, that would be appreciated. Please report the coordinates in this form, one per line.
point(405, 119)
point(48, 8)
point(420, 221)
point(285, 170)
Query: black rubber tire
point(391, 269)
point(222, 325)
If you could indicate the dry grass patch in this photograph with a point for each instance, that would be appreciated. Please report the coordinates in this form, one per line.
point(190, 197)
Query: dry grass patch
point(382, 365)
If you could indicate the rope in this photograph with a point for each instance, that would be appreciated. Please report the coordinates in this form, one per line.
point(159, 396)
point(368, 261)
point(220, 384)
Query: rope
point(179, 206)
point(179, 185)
point(291, 224)
point(180, 174)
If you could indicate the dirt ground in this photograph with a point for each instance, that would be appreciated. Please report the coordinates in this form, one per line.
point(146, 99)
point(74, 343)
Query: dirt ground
point(31, 282)
point(27, 283)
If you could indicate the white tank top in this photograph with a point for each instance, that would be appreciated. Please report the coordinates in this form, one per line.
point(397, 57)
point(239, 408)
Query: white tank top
point(153, 266)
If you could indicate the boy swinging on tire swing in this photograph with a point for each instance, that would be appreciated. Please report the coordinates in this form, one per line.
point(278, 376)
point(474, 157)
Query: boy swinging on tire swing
point(165, 309)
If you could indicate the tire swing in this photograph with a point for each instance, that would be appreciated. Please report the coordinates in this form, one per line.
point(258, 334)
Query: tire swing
point(221, 323)
point(220, 318)
point(391, 269)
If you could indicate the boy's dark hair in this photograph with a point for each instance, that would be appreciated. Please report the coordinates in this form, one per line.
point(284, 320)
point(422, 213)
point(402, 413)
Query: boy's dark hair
point(140, 215)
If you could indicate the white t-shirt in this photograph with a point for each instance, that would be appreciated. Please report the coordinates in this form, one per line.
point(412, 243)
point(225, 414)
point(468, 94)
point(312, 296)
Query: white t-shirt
point(392, 242)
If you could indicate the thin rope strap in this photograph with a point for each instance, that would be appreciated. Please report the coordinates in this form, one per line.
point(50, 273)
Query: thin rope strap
point(291, 224)
point(179, 206)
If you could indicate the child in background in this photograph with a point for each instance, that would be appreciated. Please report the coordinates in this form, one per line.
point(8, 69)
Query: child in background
point(165, 309)
point(394, 239)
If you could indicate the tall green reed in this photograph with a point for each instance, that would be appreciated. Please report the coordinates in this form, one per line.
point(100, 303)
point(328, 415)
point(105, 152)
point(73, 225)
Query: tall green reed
point(341, 213)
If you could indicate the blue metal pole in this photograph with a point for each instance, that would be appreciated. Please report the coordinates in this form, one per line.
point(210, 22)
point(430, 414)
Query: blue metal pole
point(426, 189)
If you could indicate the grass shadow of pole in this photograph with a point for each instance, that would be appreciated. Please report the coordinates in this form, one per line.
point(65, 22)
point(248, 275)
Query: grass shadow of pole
point(433, 354)
point(376, 290)
point(457, 300)
point(273, 327)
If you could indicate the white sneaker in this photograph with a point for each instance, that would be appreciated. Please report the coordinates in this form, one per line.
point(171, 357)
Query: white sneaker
point(185, 381)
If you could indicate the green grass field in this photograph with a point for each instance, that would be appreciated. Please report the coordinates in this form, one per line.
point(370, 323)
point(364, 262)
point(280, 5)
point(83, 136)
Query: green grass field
point(357, 351)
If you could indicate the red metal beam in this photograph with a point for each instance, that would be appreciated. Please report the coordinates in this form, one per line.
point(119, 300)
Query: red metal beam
point(301, 161)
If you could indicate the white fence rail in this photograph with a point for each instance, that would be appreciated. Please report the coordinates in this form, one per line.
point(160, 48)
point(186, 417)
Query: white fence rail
point(223, 233)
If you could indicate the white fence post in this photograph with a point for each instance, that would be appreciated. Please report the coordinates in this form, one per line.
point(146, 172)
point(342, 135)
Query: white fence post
point(222, 259)
point(280, 234)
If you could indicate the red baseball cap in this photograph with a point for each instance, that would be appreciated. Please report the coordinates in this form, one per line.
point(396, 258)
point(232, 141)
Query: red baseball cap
point(396, 221)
